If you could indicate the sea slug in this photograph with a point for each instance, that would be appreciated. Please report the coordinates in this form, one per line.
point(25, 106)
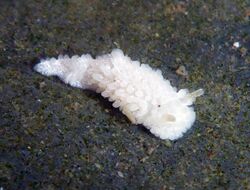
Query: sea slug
point(140, 92)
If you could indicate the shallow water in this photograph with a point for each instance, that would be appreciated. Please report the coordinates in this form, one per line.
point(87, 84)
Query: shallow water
point(54, 136)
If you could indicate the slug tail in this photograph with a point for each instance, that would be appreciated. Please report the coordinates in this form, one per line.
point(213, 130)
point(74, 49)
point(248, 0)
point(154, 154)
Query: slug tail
point(71, 70)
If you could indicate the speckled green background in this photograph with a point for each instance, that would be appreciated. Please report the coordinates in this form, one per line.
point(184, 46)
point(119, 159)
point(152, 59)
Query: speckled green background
point(53, 136)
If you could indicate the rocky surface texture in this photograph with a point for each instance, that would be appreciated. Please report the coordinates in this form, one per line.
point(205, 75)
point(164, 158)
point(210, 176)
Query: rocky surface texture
point(57, 137)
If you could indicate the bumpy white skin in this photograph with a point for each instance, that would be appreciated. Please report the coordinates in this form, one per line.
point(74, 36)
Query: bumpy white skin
point(140, 92)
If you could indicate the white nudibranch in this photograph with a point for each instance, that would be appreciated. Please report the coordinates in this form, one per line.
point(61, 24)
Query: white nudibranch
point(140, 92)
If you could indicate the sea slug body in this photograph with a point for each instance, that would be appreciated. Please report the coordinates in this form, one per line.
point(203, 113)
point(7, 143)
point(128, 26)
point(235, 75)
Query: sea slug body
point(140, 92)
